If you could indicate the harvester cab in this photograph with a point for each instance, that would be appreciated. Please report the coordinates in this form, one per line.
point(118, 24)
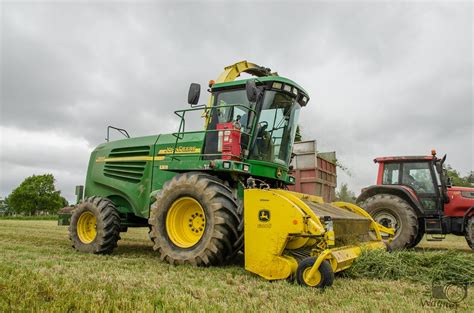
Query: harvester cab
point(205, 193)
point(251, 121)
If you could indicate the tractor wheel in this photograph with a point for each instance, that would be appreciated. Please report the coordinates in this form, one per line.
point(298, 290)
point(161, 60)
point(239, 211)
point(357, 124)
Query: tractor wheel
point(324, 276)
point(469, 233)
point(195, 220)
point(392, 211)
point(95, 226)
point(419, 235)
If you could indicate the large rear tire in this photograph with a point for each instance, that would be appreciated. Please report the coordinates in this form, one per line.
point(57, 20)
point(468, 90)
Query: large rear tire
point(392, 211)
point(469, 234)
point(419, 235)
point(95, 226)
point(195, 220)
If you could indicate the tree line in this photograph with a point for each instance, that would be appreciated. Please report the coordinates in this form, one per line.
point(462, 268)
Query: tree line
point(36, 195)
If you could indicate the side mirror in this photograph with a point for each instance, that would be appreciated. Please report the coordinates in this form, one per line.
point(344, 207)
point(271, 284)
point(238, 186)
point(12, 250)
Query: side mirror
point(252, 91)
point(449, 182)
point(194, 93)
point(444, 158)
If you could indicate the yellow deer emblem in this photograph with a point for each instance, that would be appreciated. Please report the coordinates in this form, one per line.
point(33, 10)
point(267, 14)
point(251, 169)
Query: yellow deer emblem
point(264, 215)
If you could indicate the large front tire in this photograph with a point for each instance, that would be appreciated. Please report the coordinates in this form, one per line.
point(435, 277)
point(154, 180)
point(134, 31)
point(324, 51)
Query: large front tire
point(95, 226)
point(195, 220)
point(388, 209)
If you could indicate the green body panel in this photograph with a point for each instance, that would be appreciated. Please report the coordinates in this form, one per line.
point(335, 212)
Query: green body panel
point(129, 182)
point(130, 171)
point(270, 170)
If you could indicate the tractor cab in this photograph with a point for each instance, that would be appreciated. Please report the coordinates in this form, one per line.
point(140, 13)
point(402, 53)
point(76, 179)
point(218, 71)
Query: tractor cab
point(422, 176)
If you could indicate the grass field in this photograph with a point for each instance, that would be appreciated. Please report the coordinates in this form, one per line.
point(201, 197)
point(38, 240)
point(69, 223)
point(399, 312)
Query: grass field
point(39, 271)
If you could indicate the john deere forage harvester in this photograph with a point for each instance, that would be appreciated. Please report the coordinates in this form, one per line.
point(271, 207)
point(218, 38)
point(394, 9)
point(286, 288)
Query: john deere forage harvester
point(203, 194)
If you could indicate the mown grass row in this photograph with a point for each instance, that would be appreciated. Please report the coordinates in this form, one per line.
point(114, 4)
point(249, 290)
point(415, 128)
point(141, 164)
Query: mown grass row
point(422, 266)
point(40, 272)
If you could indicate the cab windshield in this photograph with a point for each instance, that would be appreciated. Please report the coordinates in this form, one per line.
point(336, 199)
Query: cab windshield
point(276, 128)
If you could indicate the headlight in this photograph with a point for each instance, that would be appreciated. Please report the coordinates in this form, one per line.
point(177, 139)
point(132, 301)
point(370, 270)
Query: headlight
point(277, 85)
point(303, 101)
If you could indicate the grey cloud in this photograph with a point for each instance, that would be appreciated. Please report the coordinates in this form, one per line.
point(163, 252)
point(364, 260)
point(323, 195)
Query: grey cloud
point(384, 78)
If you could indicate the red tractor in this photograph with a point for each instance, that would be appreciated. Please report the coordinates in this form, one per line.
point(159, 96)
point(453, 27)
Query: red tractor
point(414, 195)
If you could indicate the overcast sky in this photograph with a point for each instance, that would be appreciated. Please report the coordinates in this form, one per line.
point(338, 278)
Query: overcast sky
point(388, 78)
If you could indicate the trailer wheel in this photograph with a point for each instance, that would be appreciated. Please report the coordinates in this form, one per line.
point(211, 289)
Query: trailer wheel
point(324, 276)
point(392, 211)
point(469, 234)
point(95, 226)
point(195, 220)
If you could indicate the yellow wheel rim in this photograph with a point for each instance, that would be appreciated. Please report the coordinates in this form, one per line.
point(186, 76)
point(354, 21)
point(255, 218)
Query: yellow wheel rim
point(311, 281)
point(185, 222)
point(86, 227)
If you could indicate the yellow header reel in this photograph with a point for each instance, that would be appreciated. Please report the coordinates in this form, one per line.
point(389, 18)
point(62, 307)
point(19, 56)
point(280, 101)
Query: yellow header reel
point(289, 234)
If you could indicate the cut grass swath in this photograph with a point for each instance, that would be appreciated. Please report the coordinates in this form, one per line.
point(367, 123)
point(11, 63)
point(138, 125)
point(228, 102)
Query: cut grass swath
point(417, 266)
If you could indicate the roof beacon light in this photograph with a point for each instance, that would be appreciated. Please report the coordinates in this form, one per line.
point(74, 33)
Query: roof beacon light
point(433, 152)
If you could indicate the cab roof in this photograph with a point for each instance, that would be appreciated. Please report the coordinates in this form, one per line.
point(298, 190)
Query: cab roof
point(403, 158)
point(261, 79)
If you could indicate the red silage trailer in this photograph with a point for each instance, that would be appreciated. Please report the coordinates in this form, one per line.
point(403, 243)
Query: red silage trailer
point(315, 172)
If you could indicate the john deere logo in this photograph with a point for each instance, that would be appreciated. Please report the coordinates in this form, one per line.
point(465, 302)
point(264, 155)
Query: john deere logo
point(264, 215)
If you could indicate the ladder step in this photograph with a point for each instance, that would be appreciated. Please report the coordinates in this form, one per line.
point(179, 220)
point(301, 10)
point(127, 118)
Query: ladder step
point(433, 226)
point(432, 237)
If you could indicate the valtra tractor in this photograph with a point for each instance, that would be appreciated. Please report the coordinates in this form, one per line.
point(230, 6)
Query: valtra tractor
point(207, 195)
point(414, 196)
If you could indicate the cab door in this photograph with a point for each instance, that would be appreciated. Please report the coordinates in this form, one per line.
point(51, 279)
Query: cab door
point(420, 177)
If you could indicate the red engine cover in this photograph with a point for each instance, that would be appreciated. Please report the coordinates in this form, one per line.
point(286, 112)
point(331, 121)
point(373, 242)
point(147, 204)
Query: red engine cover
point(460, 199)
point(229, 141)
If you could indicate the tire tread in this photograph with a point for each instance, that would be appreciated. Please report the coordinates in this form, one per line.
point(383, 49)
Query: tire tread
point(227, 231)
